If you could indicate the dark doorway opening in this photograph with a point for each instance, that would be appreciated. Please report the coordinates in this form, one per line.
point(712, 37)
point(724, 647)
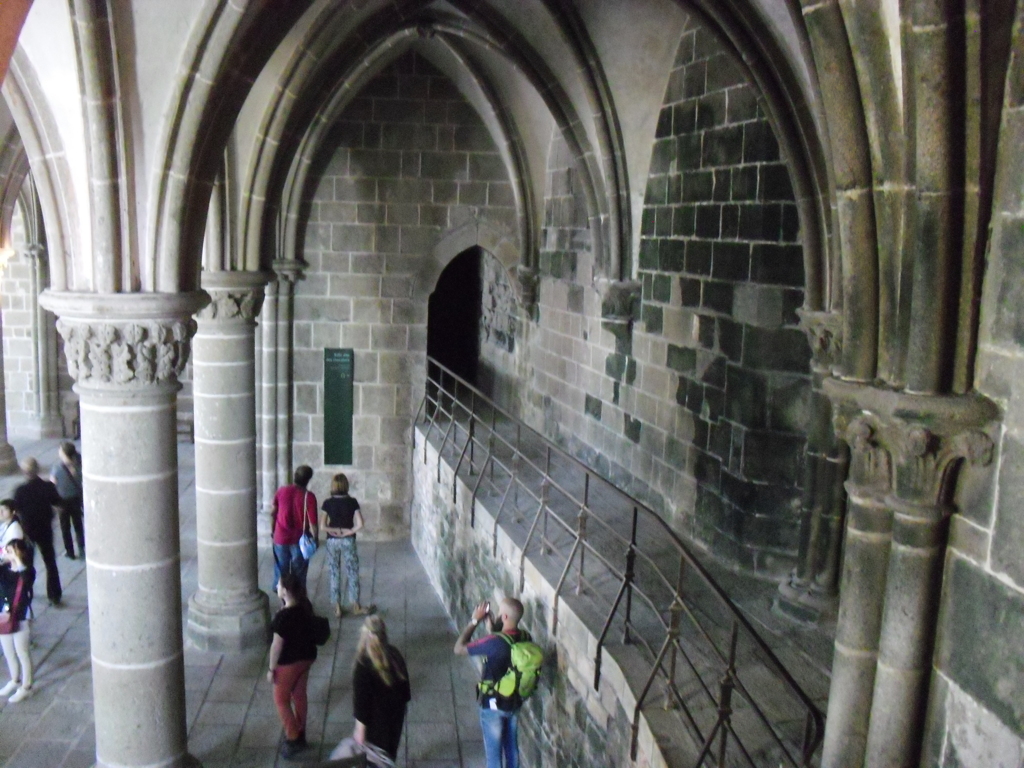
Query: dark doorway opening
point(453, 316)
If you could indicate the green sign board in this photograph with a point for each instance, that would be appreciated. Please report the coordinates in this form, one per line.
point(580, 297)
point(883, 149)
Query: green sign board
point(339, 366)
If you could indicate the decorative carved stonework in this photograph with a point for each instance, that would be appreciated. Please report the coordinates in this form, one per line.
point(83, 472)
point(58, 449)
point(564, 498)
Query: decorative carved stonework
point(232, 305)
point(907, 445)
point(528, 283)
point(289, 270)
point(620, 300)
point(870, 465)
point(143, 352)
point(825, 335)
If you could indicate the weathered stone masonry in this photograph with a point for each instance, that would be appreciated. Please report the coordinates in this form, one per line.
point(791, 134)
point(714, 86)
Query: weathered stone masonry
point(411, 160)
point(694, 394)
point(566, 724)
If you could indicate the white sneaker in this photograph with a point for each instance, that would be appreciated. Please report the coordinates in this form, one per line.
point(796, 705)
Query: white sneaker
point(20, 695)
point(11, 687)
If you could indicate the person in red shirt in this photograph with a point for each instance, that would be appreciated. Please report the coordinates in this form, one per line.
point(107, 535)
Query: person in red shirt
point(290, 502)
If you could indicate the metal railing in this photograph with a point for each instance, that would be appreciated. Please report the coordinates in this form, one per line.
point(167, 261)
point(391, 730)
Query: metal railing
point(736, 701)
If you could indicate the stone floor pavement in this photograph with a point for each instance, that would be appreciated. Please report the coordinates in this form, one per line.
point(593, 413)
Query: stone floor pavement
point(231, 716)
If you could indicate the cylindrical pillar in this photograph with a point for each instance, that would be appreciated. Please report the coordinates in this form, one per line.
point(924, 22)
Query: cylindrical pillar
point(904, 449)
point(47, 409)
point(810, 592)
point(8, 461)
point(868, 538)
point(904, 657)
point(268, 412)
point(125, 352)
point(228, 612)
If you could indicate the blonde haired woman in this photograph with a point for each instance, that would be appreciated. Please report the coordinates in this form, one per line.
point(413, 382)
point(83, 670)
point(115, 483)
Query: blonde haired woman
point(380, 693)
point(342, 520)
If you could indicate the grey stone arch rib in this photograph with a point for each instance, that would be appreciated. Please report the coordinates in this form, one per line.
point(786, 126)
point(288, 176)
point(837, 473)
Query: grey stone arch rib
point(791, 112)
point(296, 183)
point(606, 207)
point(504, 131)
point(290, 112)
point(611, 165)
point(14, 169)
point(228, 48)
point(477, 233)
point(50, 171)
point(283, 136)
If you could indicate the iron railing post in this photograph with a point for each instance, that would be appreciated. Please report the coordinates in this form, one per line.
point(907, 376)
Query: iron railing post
point(676, 613)
point(581, 535)
point(630, 568)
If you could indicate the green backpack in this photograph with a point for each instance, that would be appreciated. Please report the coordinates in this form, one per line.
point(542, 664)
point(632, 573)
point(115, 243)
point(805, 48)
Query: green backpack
point(521, 678)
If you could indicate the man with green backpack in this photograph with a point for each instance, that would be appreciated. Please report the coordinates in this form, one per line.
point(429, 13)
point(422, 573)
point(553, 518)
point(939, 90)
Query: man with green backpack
point(512, 663)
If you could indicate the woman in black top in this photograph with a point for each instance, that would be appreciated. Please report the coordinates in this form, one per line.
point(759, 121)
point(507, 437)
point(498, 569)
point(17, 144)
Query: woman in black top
point(380, 689)
point(16, 578)
point(342, 520)
point(292, 653)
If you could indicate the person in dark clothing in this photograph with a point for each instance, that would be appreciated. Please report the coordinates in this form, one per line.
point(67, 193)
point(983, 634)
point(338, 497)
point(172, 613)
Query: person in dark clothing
point(292, 653)
point(35, 500)
point(67, 476)
point(380, 689)
point(342, 520)
point(380, 693)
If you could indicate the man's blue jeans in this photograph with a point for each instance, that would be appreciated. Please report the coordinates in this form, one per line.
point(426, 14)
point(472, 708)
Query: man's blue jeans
point(500, 736)
point(288, 557)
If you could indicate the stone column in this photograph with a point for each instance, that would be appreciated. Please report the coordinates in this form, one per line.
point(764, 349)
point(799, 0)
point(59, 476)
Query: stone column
point(228, 612)
point(288, 271)
point(125, 352)
point(8, 460)
point(44, 348)
point(268, 412)
point(905, 453)
point(810, 592)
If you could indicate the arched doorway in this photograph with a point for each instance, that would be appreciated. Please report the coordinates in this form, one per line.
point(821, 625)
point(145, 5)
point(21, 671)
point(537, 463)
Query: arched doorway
point(453, 316)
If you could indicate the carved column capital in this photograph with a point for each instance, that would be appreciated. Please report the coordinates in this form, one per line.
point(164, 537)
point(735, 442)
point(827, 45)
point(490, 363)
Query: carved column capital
point(824, 332)
point(125, 341)
point(288, 270)
point(35, 251)
point(906, 444)
point(234, 296)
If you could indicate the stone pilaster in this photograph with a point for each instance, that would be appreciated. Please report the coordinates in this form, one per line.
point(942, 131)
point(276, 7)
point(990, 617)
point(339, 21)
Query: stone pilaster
point(905, 454)
point(8, 459)
point(276, 331)
point(44, 348)
point(268, 409)
point(125, 352)
point(810, 591)
point(288, 271)
point(228, 612)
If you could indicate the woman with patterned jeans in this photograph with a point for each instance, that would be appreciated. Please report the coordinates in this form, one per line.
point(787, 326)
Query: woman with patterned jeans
point(342, 520)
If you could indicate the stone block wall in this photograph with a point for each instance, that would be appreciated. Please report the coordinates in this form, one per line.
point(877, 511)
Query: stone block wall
point(699, 407)
point(722, 276)
point(19, 358)
point(20, 369)
point(500, 325)
point(411, 161)
point(566, 723)
point(976, 711)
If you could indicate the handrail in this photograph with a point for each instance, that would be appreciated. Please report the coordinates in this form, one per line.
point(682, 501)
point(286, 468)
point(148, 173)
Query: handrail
point(445, 399)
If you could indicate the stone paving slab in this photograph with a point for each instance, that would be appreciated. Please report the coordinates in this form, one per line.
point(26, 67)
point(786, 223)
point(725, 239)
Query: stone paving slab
point(232, 721)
